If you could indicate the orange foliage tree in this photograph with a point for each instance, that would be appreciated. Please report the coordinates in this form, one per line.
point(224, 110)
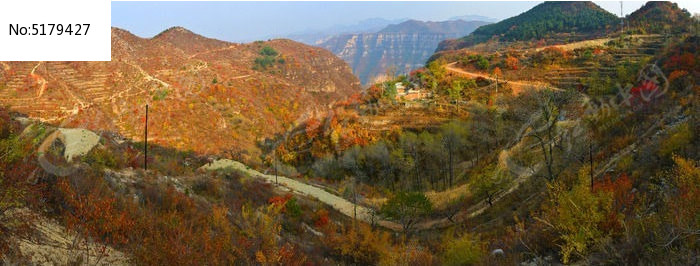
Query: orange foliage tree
point(497, 72)
point(512, 62)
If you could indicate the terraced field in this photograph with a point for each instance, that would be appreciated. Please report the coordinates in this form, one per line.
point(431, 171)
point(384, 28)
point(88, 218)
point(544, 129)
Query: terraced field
point(644, 47)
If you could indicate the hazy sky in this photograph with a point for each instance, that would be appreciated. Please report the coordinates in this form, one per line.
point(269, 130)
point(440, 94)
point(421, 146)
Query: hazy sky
point(247, 21)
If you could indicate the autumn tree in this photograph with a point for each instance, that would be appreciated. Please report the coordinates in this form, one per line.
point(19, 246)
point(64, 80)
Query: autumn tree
point(482, 63)
point(576, 215)
point(410, 144)
point(358, 244)
point(262, 227)
point(455, 92)
point(437, 69)
point(328, 167)
point(453, 135)
point(497, 73)
point(679, 141)
point(352, 161)
point(684, 206)
point(406, 208)
point(463, 250)
point(544, 128)
point(489, 182)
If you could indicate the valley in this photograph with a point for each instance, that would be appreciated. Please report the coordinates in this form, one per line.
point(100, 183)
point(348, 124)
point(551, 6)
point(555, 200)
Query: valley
point(397, 48)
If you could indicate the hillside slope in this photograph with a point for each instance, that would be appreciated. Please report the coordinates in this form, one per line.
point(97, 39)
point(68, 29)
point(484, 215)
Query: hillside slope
point(197, 88)
point(544, 20)
point(659, 17)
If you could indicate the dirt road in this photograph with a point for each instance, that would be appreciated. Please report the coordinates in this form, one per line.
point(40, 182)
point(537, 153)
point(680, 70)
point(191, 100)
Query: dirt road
point(517, 86)
point(340, 204)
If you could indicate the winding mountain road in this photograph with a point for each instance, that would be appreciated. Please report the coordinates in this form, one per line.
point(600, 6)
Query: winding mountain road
point(340, 204)
point(518, 86)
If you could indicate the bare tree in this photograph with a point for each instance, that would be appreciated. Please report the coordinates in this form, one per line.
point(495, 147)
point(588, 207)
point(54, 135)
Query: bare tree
point(544, 128)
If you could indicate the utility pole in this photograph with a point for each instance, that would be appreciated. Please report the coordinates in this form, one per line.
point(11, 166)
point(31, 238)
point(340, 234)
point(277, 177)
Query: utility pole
point(274, 164)
point(354, 201)
point(496, 83)
point(622, 20)
point(145, 145)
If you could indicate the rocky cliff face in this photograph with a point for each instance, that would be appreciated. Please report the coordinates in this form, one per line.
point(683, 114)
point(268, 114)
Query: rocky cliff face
point(397, 48)
point(205, 95)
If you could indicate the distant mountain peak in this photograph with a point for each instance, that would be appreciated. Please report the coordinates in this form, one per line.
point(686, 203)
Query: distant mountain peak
point(188, 41)
point(474, 18)
point(440, 27)
point(174, 31)
point(178, 29)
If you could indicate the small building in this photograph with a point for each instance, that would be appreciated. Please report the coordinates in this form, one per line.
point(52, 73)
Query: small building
point(400, 87)
point(413, 95)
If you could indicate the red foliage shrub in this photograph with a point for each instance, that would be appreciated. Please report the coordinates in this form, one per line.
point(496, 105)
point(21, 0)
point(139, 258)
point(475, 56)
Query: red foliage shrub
point(416, 72)
point(644, 93)
point(375, 92)
point(95, 215)
point(685, 61)
point(322, 218)
point(279, 200)
point(313, 127)
point(621, 189)
point(677, 74)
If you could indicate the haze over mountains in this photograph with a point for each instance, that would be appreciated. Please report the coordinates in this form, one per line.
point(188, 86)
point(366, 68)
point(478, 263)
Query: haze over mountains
point(312, 37)
point(397, 48)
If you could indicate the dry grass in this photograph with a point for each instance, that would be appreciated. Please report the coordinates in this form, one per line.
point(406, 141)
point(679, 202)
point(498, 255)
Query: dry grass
point(576, 45)
point(588, 43)
point(442, 199)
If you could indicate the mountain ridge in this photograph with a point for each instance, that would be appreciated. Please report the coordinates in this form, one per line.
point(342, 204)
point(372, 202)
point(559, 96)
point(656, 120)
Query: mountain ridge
point(445, 27)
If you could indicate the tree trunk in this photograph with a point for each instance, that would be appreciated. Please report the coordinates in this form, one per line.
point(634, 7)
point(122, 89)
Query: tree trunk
point(451, 167)
point(551, 159)
point(590, 161)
